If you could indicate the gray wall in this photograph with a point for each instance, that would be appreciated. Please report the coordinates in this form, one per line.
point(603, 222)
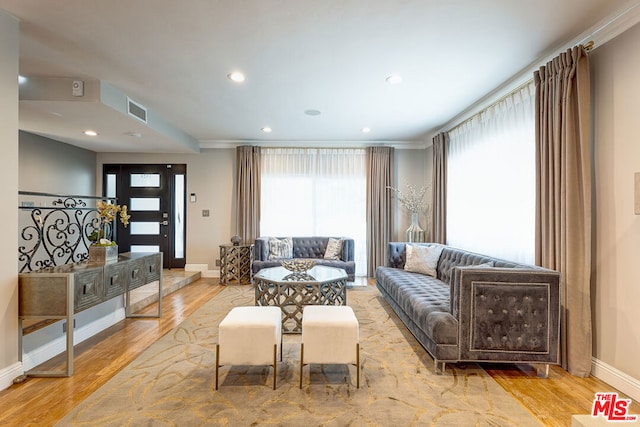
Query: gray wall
point(9, 366)
point(49, 166)
point(616, 278)
point(412, 167)
point(210, 175)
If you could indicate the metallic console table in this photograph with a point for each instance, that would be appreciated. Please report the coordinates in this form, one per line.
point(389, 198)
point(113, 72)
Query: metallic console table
point(60, 292)
point(236, 264)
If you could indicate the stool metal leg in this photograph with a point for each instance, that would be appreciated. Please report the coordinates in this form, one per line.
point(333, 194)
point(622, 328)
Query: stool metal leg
point(301, 362)
point(275, 364)
point(217, 365)
point(358, 365)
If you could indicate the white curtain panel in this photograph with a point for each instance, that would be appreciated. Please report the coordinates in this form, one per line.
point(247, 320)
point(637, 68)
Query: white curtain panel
point(315, 192)
point(491, 180)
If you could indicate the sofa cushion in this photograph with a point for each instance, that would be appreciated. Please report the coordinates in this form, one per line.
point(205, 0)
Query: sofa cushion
point(419, 295)
point(334, 249)
point(422, 259)
point(442, 327)
point(281, 248)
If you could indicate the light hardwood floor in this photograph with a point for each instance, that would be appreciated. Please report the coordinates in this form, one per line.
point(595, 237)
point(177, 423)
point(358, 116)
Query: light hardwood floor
point(44, 401)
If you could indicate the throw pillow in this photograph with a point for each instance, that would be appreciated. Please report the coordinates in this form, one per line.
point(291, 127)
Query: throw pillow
point(488, 264)
point(334, 249)
point(280, 248)
point(422, 259)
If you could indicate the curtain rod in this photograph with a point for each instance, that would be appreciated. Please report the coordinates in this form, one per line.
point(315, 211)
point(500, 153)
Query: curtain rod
point(589, 46)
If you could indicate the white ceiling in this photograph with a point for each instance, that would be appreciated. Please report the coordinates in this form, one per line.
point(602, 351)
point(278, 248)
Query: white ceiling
point(330, 55)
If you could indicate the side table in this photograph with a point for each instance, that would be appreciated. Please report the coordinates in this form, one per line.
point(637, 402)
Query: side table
point(236, 264)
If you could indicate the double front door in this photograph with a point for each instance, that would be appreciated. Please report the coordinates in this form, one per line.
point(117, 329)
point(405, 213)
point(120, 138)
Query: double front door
point(156, 198)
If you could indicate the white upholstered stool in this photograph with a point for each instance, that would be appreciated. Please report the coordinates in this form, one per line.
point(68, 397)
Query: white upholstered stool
point(330, 334)
point(250, 336)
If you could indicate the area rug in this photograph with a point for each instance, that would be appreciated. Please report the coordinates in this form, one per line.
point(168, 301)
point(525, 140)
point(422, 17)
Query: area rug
point(173, 382)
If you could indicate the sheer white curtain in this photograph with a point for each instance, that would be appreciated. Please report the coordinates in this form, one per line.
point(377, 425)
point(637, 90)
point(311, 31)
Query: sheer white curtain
point(491, 180)
point(315, 192)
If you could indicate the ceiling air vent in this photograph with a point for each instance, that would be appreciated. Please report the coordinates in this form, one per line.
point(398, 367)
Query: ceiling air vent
point(136, 110)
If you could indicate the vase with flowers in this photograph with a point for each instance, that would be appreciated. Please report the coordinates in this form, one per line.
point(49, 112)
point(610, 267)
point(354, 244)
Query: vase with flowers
point(102, 248)
point(412, 201)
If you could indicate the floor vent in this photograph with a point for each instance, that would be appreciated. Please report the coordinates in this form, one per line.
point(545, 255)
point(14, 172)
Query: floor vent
point(136, 110)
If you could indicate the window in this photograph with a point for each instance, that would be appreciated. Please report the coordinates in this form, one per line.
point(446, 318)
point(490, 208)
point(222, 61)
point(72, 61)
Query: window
point(315, 192)
point(491, 180)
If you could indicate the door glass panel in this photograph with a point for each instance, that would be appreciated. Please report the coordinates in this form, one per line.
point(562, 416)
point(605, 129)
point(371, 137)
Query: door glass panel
point(145, 248)
point(145, 180)
point(152, 228)
point(111, 185)
point(178, 220)
point(144, 204)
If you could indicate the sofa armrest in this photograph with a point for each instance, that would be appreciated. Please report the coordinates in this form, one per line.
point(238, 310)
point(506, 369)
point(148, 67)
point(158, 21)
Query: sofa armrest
point(507, 314)
point(396, 254)
point(348, 249)
point(261, 249)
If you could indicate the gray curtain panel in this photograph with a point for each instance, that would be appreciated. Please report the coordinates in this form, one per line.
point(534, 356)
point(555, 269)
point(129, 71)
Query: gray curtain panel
point(380, 172)
point(563, 196)
point(439, 189)
point(248, 192)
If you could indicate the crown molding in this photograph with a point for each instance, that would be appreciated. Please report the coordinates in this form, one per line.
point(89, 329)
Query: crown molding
point(217, 144)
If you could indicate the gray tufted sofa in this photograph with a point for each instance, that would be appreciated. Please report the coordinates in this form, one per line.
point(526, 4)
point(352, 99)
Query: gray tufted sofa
point(308, 247)
point(498, 312)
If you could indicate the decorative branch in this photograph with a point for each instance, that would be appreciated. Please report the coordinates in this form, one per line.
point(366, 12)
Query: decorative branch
point(412, 200)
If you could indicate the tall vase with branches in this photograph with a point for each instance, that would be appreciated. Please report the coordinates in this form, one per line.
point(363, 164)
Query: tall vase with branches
point(413, 201)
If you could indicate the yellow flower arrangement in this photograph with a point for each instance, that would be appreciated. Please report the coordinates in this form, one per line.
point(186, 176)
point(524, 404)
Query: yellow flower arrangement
point(108, 212)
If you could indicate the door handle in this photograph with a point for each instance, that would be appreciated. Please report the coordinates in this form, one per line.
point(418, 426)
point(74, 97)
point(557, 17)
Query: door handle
point(165, 222)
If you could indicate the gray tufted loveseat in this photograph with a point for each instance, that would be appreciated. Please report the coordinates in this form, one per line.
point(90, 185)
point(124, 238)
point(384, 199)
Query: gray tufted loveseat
point(477, 308)
point(308, 247)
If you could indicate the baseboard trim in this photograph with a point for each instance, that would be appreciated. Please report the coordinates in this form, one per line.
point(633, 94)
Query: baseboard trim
point(58, 345)
point(616, 378)
point(203, 269)
point(196, 267)
point(211, 273)
point(8, 374)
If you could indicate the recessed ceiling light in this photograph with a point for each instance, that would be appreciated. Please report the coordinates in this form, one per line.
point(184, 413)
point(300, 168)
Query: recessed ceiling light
point(266, 129)
point(236, 76)
point(91, 133)
point(394, 79)
point(312, 112)
point(134, 134)
point(366, 130)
